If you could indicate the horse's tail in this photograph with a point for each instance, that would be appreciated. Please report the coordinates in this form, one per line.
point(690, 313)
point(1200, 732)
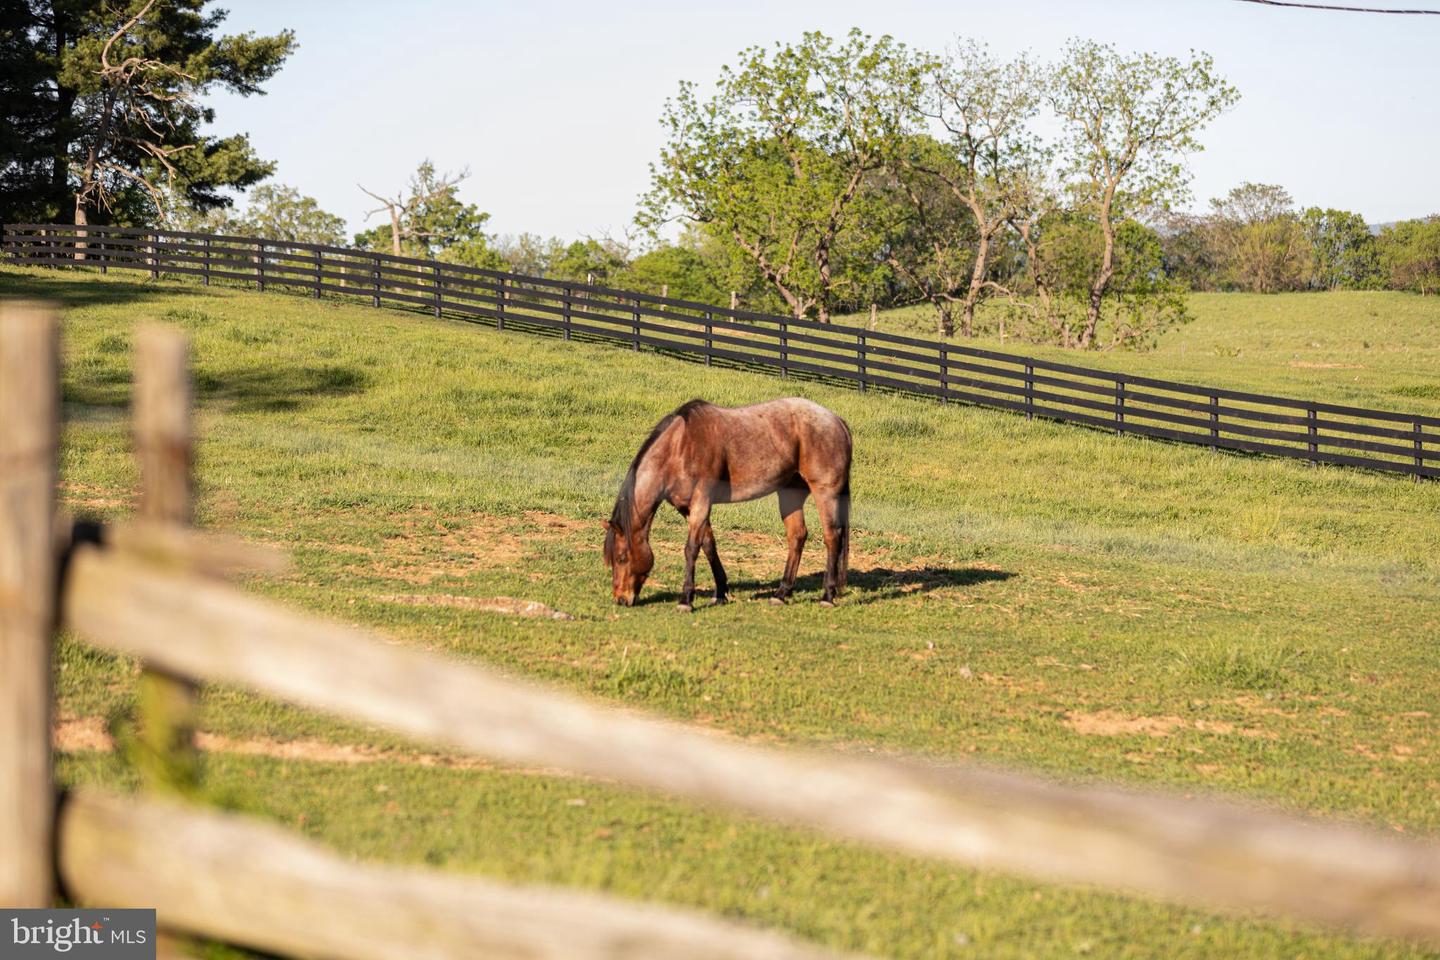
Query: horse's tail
point(842, 518)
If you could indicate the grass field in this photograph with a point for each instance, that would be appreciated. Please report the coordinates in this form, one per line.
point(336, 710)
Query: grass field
point(1363, 348)
point(1027, 594)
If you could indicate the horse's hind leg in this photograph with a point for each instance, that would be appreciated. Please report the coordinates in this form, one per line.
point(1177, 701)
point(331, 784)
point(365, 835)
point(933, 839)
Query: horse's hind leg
point(834, 509)
point(722, 582)
point(792, 511)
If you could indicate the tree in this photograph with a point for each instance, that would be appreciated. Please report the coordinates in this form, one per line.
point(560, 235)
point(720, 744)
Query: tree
point(1342, 249)
point(109, 96)
point(1128, 120)
point(774, 163)
point(427, 217)
point(678, 269)
point(282, 213)
point(1259, 240)
point(988, 157)
point(1410, 254)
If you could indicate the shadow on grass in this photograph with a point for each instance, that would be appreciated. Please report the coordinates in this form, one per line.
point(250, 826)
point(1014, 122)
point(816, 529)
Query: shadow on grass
point(61, 289)
point(864, 586)
point(279, 388)
point(262, 389)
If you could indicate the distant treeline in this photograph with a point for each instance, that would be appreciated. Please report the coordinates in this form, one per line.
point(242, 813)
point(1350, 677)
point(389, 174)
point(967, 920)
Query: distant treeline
point(811, 178)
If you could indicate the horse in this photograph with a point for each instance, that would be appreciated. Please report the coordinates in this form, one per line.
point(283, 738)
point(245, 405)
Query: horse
point(702, 455)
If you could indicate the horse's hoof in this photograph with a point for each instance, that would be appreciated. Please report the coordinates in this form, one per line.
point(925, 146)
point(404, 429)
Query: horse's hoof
point(777, 601)
point(684, 608)
point(722, 599)
point(827, 603)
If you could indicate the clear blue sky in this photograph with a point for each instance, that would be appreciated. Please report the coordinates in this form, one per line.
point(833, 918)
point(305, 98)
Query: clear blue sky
point(554, 105)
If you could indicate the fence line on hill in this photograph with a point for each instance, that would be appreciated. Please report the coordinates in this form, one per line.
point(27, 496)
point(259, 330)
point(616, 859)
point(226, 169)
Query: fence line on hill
point(151, 590)
point(1216, 417)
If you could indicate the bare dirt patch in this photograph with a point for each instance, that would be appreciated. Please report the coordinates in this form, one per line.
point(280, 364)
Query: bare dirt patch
point(1317, 365)
point(93, 497)
point(88, 734)
point(509, 606)
point(1111, 723)
point(431, 547)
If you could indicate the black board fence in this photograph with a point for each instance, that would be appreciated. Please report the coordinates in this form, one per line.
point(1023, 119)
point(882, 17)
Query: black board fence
point(1215, 417)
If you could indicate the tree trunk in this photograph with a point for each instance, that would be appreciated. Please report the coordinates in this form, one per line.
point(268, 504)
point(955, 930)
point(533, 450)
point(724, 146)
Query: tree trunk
point(1102, 279)
point(944, 319)
point(394, 230)
point(977, 284)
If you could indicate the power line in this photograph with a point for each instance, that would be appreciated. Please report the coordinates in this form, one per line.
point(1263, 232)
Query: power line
point(1327, 6)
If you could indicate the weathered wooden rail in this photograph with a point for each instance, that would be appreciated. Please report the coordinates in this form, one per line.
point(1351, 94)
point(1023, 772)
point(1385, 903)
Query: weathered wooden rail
point(153, 590)
point(1219, 418)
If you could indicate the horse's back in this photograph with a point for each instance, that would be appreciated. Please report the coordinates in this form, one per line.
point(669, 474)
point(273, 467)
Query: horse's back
point(767, 445)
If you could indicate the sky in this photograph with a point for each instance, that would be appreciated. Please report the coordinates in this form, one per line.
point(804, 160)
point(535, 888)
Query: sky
point(555, 106)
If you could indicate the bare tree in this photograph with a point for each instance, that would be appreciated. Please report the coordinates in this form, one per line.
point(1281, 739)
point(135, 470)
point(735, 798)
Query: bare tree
point(406, 210)
point(136, 107)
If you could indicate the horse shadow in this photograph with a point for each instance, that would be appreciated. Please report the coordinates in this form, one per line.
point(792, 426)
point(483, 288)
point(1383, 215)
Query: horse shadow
point(863, 586)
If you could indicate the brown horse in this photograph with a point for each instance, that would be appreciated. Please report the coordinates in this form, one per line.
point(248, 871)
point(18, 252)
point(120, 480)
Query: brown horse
point(702, 455)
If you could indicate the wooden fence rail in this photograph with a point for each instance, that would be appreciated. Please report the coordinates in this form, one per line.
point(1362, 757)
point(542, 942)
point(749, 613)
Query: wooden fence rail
point(1145, 406)
point(131, 591)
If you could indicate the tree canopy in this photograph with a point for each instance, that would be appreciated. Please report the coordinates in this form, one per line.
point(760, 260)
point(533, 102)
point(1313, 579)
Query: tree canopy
point(104, 110)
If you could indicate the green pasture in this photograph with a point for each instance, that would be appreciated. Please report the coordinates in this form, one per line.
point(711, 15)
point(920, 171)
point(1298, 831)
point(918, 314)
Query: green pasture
point(1026, 594)
point(1362, 348)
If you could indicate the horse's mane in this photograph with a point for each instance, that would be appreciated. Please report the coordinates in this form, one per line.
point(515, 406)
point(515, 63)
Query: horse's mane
point(622, 518)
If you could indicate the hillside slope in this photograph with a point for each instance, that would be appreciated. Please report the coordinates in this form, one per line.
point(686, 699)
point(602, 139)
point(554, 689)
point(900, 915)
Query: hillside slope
point(1026, 593)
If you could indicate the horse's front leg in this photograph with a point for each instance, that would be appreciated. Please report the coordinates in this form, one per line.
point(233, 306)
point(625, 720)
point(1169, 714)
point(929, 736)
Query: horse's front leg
point(699, 517)
point(717, 570)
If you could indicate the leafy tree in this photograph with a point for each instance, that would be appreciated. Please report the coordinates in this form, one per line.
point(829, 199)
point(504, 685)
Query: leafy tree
point(1410, 254)
point(529, 253)
point(588, 259)
point(1188, 251)
point(681, 270)
point(427, 217)
point(1260, 240)
point(108, 96)
point(987, 159)
point(1143, 303)
point(774, 163)
point(1127, 122)
point(282, 213)
point(1342, 249)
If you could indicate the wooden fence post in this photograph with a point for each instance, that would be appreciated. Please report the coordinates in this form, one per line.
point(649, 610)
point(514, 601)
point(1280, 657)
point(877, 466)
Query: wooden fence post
point(944, 373)
point(860, 358)
point(1312, 429)
point(1214, 418)
point(1119, 406)
point(635, 323)
point(784, 349)
point(319, 267)
point(207, 261)
point(164, 447)
point(29, 431)
point(439, 295)
point(569, 305)
point(1029, 391)
point(500, 307)
point(1419, 452)
point(709, 336)
point(154, 257)
point(260, 267)
point(375, 280)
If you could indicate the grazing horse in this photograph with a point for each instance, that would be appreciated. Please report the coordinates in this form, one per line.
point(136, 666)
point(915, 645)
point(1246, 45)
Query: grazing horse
point(702, 455)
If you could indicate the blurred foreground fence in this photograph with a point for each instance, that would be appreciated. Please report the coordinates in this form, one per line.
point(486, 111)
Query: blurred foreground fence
point(155, 590)
point(1145, 406)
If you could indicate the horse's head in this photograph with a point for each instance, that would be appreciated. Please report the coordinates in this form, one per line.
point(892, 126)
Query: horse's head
point(630, 560)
